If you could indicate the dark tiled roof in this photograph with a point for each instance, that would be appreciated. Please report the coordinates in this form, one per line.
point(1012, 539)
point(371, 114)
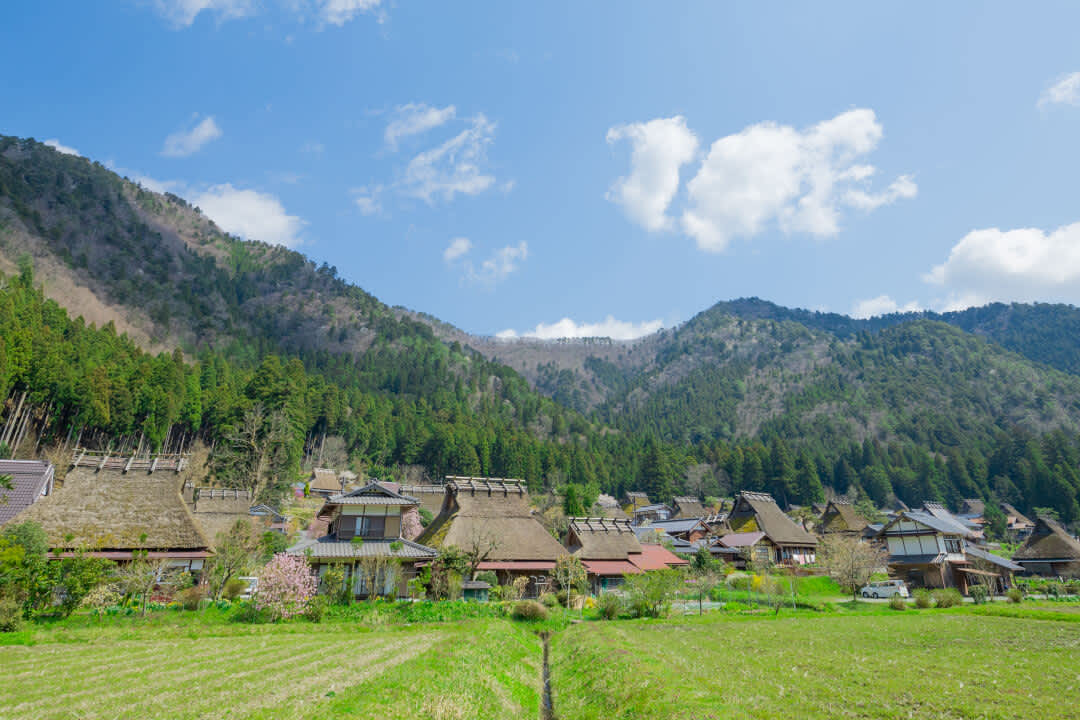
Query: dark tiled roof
point(987, 556)
point(29, 478)
point(327, 548)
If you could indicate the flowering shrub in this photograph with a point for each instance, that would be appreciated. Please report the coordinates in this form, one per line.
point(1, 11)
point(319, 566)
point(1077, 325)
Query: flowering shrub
point(286, 586)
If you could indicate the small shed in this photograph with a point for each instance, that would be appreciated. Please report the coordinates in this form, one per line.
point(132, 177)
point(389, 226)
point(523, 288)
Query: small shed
point(475, 590)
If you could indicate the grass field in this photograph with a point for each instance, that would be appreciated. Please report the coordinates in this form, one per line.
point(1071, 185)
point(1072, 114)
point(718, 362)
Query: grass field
point(915, 664)
point(995, 661)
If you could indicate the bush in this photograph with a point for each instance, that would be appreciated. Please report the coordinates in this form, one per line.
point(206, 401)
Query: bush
point(233, 588)
point(190, 597)
point(923, 599)
point(1015, 595)
point(549, 599)
point(316, 608)
point(1054, 589)
point(487, 576)
point(529, 610)
point(246, 611)
point(947, 598)
point(610, 606)
point(11, 613)
point(897, 603)
point(978, 594)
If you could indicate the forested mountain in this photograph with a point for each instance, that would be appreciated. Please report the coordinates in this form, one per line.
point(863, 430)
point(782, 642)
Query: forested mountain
point(256, 350)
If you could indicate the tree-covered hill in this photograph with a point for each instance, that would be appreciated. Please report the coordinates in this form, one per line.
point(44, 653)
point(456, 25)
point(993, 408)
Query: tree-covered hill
point(249, 345)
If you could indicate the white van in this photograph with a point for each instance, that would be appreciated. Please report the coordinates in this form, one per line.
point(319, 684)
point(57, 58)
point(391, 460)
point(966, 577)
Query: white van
point(886, 589)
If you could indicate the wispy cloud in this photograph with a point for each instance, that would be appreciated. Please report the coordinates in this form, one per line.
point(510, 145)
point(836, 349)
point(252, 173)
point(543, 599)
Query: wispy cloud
point(183, 13)
point(881, 305)
point(457, 247)
point(490, 271)
point(1064, 91)
point(454, 167)
point(61, 148)
point(415, 119)
point(609, 327)
point(188, 142)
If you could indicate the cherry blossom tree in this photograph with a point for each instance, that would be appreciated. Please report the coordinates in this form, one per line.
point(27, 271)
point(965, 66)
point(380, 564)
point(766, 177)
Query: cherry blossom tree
point(285, 587)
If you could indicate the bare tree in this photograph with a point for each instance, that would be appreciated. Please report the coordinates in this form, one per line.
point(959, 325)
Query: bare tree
point(255, 452)
point(479, 548)
point(850, 561)
point(236, 552)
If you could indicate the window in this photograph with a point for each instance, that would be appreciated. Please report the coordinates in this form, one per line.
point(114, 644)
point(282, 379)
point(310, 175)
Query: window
point(371, 527)
point(953, 545)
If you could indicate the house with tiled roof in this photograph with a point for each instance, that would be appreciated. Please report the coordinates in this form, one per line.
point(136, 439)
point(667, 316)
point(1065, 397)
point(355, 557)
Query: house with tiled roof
point(30, 481)
point(374, 521)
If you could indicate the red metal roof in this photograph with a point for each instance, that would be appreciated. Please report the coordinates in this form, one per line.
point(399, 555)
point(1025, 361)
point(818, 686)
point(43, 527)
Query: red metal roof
point(656, 557)
point(611, 567)
point(516, 565)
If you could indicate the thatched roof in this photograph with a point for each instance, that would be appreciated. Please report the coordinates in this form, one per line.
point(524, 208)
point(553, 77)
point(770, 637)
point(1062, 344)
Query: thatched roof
point(601, 539)
point(1018, 517)
point(325, 480)
point(841, 516)
point(216, 510)
point(972, 506)
point(759, 511)
point(30, 480)
point(637, 499)
point(430, 496)
point(1048, 541)
point(491, 509)
point(111, 510)
point(689, 507)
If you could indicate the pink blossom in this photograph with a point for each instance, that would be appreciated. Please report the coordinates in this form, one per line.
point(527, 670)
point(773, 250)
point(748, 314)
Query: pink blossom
point(285, 586)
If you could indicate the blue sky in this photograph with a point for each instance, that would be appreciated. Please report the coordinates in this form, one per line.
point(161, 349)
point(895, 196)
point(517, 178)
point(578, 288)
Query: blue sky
point(591, 168)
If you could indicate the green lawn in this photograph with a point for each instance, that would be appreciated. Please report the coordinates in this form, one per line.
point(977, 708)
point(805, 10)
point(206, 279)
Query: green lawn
point(998, 661)
point(929, 664)
point(475, 669)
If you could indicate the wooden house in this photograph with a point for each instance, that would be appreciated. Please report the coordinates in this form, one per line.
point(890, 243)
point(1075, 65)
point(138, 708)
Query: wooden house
point(758, 512)
point(493, 515)
point(634, 500)
point(689, 529)
point(605, 547)
point(933, 548)
point(1049, 550)
point(748, 548)
point(1018, 525)
point(688, 507)
point(652, 513)
point(325, 482)
point(31, 480)
point(115, 514)
point(841, 516)
point(372, 522)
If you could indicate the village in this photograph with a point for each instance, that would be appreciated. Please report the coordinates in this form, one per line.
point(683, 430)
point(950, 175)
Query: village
point(485, 538)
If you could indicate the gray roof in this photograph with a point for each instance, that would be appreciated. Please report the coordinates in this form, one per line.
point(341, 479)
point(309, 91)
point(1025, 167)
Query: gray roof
point(988, 556)
point(655, 507)
point(939, 511)
point(374, 493)
point(677, 525)
point(942, 525)
point(328, 548)
point(29, 478)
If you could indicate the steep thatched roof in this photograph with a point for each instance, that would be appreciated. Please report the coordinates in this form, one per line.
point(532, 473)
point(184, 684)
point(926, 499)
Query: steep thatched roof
point(111, 510)
point(430, 496)
point(216, 510)
point(972, 506)
point(1048, 541)
point(841, 516)
point(324, 480)
point(490, 510)
point(601, 539)
point(689, 507)
point(759, 511)
point(1018, 517)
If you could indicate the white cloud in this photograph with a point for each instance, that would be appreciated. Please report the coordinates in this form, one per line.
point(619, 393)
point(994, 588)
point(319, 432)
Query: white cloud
point(415, 119)
point(1023, 265)
point(457, 247)
point(187, 142)
point(659, 148)
point(453, 167)
point(799, 179)
point(881, 305)
point(609, 327)
point(250, 214)
point(339, 12)
point(497, 267)
point(369, 199)
point(1065, 91)
point(182, 13)
point(61, 148)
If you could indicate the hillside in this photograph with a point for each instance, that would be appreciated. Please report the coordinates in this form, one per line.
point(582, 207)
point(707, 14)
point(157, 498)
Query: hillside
point(746, 394)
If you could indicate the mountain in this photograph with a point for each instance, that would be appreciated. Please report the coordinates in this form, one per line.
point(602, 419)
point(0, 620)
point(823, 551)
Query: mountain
point(747, 394)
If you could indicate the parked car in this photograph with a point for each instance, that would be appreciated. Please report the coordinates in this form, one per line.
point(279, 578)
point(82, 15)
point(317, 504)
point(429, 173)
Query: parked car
point(885, 589)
